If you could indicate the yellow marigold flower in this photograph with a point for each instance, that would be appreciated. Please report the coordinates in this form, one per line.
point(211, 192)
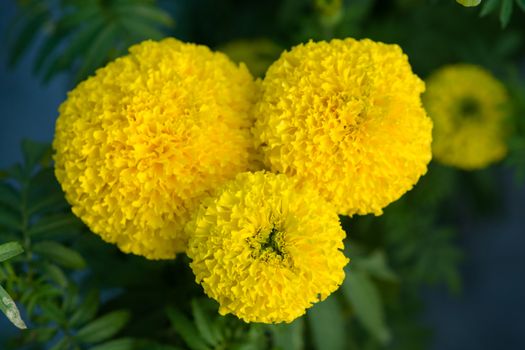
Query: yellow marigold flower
point(466, 104)
point(345, 117)
point(265, 250)
point(141, 142)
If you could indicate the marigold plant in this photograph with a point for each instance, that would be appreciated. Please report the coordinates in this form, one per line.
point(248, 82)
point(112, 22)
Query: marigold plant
point(265, 250)
point(143, 140)
point(467, 104)
point(345, 117)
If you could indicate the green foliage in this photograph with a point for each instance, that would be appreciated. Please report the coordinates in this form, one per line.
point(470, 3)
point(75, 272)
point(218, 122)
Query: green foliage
point(7, 305)
point(505, 9)
point(83, 35)
point(73, 291)
point(208, 330)
point(34, 211)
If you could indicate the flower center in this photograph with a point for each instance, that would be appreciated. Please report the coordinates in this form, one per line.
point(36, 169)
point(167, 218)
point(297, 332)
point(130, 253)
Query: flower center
point(268, 245)
point(272, 243)
point(469, 107)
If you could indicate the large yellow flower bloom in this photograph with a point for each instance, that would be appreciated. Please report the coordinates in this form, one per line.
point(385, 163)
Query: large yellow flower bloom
point(467, 105)
point(141, 142)
point(265, 250)
point(345, 117)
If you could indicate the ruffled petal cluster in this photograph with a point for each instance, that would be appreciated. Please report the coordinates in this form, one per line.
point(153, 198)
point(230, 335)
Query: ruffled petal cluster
point(345, 117)
point(139, 144)
point(265, 249)
point(468, 107)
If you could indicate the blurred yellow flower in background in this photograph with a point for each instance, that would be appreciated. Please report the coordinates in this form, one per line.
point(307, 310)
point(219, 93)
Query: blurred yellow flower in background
point(345, 117)
point(469, 3)
point(265, 250)
point(143, 140)
point(468, 107)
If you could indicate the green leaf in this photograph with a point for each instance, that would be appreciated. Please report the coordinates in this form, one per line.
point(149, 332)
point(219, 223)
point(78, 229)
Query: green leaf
point(521, 4)
point(288, 336)
point(204, 323)
point(62, 344)
point(117, 344)
point(34, 21)
point(52, 312)
point(9, 196)
point(9, 250)
point(61, 31)
point(8, 307)
point(506, 12)
point(144, 12)
point(375, 265)
point(140, 30)
point(104, 327)
point(52, 201)
point(43, 335)
point(98, 51)
point(34, 152)
point(328, 325)
point(87, 310)
point(78, 44)
point(9, 220)
point(59, 254)
point(364, 297)
point(490, 6)
point(186, 330)
point(55, 274)
point(55, 223)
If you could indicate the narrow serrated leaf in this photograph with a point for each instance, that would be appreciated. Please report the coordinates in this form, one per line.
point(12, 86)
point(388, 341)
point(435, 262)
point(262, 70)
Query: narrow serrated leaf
point(9, 220)
point(59, 254)
point(375, 265)
point(521, 4)
point(52, 311)
point(506, 12)
point(8, 307)
point(488, 7)
point(62, 344)
point(288, 336)
point(140, 30)
point(364, 297)
point(144, 12)
point(78, 44)
point(204, 323)
point(9, 196)
point(186, 330)
point(87, 309)
point(55, 274)
point(43, 335)
point(103, 328)
point(327, 325)
point(34, 21)
point(62, 30)
point(50, 202)
point(98, 51)
point(54, 223)
point(117, 344)
point(10, 250)
point(34, 152)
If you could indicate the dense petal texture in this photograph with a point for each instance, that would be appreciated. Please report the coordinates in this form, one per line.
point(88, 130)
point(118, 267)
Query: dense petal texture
point(265, 250)
point(141, 142)
point(345, 117)
point(467, 105)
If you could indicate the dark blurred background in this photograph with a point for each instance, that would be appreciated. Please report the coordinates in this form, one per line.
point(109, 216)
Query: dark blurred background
point(488, 314)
